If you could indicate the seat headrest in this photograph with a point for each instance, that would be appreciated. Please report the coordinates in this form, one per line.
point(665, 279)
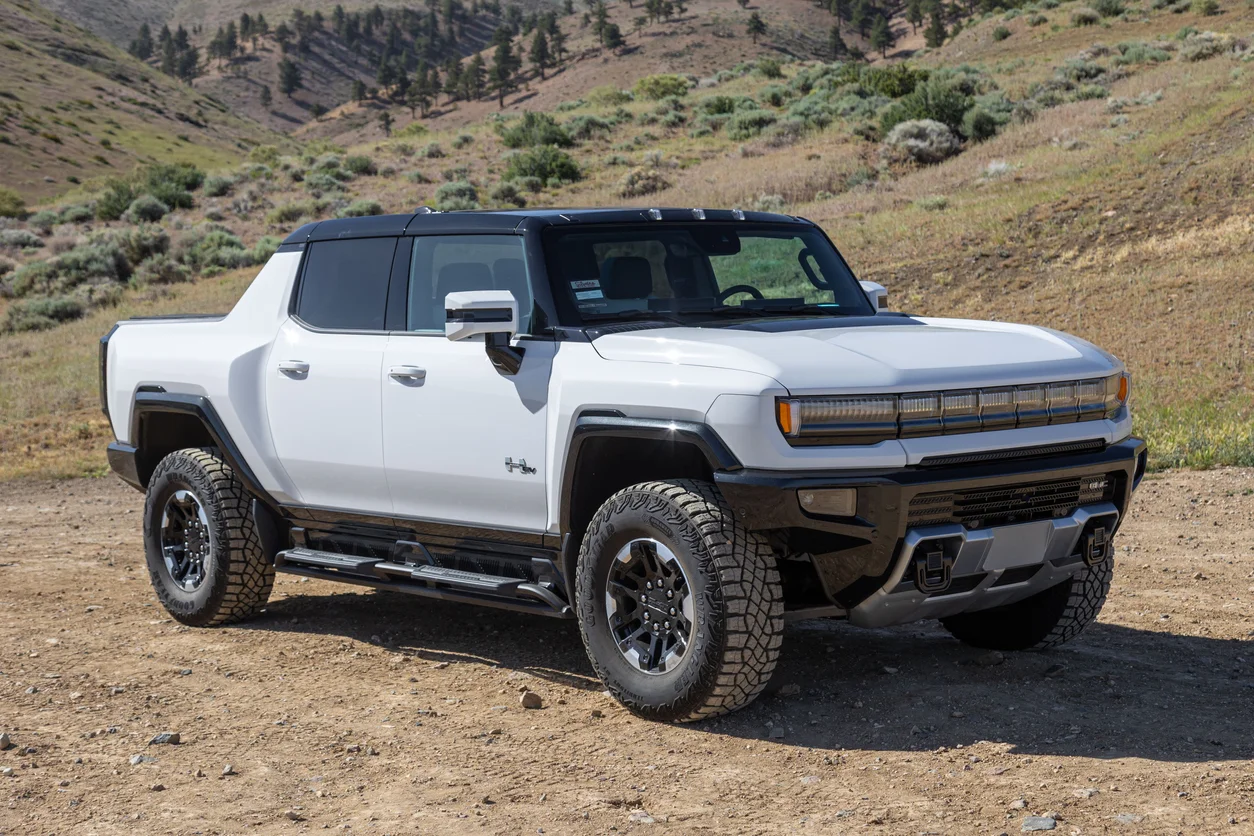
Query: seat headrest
point(462, 275)
point(510, 274)
point(627, 277)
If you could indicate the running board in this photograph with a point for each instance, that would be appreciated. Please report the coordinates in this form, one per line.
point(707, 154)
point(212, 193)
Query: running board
point(424, 579)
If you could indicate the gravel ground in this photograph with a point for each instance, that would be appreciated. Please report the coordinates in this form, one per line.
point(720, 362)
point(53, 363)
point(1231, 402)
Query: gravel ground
point(375, 712)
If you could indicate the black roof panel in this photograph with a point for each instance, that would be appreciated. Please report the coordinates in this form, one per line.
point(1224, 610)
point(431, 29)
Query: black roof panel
point(508, 220)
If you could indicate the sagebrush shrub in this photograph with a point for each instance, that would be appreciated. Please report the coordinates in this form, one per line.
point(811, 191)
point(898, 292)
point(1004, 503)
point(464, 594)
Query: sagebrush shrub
point(925, 141)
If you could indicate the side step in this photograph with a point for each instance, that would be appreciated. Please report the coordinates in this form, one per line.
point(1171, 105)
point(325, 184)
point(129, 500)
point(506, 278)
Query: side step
point(424, 579)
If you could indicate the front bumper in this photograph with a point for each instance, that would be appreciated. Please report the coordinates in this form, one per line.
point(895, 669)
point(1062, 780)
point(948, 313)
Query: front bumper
point(862, 561)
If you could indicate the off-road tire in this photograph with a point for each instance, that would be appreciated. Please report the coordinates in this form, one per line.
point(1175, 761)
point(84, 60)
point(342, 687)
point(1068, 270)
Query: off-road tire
point(737, 600)
point(237, 575)
point(1047, 619)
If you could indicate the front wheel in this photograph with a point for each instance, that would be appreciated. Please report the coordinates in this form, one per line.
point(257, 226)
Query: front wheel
point(1047, 619)
point(680, 606)
point(204, 554)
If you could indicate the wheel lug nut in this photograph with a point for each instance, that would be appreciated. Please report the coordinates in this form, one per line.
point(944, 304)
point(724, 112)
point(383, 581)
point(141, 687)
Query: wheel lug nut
point(648, 585)
point(670, 594)
point(672, 610)
point(666, 625)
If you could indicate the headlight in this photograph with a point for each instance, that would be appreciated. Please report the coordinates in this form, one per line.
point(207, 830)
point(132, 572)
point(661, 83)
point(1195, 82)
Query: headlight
point(869, 419)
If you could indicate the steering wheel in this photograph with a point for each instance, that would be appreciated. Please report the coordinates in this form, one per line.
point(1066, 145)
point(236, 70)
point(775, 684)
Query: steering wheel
point(740, 288)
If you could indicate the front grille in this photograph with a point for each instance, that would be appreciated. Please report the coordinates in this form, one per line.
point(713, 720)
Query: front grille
point(984, 507)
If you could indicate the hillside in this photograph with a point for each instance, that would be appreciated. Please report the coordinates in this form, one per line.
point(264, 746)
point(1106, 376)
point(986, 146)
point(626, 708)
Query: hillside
point(74, 107)
point(708, 37)
point(1108, 193)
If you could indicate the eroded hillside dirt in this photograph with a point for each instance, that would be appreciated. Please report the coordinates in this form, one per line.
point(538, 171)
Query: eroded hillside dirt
point(370, 712)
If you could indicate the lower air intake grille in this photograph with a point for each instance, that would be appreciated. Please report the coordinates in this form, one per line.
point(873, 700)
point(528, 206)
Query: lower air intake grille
point(984, 507)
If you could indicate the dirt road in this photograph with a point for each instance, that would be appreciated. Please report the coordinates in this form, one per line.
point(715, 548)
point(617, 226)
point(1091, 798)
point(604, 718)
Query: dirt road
point(380, 713)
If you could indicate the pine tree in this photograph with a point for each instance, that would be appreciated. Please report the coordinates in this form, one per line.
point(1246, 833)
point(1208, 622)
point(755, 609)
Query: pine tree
point(859, 16)
point(417, 98)
point(601, 20)
point(558, 39)
point(501, 74)
point(141, 47)
point(756, 26)
point(935, 33)
point(472, 78)
point(385, 122)
point(914, 14)
point(266, 98)
point(189, 64)
point(453, 78)
point(882, 36)
point(835, 42)
point(289, 78)
point(613, 36)
point(539, 55)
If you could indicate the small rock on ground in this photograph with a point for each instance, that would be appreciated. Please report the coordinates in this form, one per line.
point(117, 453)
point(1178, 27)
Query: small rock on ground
point(5, 742)
point(165, 737)
point(530, 699)
point(1034, 823)
point(640, 817)
point(993, 657)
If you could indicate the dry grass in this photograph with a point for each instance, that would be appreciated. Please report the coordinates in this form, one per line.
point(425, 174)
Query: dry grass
point(50, 418)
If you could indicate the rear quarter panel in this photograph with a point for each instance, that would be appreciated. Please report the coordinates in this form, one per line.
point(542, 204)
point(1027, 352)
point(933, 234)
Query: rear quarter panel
point(221, 359)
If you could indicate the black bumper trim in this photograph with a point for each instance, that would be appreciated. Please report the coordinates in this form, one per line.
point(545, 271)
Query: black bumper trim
point(766, 499)
point(122, 462)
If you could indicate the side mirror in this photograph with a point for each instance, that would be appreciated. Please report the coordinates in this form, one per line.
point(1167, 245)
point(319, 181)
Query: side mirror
point(877, 295)
point(490, 313)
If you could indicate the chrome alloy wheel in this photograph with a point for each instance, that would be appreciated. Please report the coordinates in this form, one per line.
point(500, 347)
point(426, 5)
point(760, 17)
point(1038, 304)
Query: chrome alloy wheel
point(186, 542)
point(649, 606)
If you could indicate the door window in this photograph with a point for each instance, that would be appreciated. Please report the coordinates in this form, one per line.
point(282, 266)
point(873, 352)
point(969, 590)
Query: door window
point(345, 285)
point(444, 264)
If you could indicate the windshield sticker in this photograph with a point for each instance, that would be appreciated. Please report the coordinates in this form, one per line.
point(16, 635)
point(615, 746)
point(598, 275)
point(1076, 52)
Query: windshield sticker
point(588, 294)
point(585, 284)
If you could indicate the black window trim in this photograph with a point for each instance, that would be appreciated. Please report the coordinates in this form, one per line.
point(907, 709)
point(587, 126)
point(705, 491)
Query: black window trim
point(298, 285)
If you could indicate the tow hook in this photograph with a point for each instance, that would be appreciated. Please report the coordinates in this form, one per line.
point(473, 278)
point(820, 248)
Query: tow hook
point(933, 570)
point(1096, 546)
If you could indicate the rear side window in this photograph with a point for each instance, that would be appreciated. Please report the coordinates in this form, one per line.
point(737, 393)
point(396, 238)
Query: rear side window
point(345, 285)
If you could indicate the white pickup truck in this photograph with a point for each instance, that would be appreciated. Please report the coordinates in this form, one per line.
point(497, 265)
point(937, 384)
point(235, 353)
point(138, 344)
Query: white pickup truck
point(682, 427)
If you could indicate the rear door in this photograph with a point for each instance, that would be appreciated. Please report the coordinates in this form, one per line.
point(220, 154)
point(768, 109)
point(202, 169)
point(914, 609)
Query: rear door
point(323, 380)
point(464, 443)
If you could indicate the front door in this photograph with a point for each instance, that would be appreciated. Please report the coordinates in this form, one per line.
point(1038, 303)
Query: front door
point(323, 378)
point(464, 443)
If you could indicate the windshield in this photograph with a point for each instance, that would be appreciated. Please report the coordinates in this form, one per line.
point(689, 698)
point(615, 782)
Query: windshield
point(699, 272)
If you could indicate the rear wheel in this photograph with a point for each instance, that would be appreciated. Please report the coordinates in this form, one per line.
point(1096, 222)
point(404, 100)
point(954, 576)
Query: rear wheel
point(1045, 620)
point(680, 606)
point(204, 555)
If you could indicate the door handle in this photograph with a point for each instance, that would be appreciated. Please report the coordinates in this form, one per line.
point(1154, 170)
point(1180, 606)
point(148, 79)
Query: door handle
point(293, 367)
point(407, 373)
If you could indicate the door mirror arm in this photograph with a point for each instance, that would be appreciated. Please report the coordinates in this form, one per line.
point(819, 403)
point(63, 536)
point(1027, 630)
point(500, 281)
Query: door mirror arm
point(505, 358)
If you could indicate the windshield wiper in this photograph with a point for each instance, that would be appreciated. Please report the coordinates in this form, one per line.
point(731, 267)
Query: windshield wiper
point(635, 316)
point(776, 310)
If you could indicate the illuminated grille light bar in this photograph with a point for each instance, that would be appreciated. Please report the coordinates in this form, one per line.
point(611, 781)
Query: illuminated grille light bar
point(869, 419)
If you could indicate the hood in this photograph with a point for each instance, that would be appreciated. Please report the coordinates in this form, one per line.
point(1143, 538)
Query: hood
point(874, 355)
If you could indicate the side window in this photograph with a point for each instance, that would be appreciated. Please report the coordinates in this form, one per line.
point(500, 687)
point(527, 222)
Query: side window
point(444, 264)
point(345, 285)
